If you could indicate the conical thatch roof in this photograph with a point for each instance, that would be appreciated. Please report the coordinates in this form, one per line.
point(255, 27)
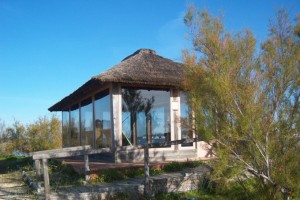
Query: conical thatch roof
point(144, 67)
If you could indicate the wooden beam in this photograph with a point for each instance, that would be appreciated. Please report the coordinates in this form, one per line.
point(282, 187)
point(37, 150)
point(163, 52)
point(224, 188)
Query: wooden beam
point(63, 149)
point(174, 142)
point(69, 153)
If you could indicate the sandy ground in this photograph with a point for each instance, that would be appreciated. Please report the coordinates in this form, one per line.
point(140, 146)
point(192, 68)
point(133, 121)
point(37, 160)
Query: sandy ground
point(13, 187)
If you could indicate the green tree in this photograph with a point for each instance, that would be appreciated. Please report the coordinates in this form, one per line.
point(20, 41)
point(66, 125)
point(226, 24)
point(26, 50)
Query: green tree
point(246, 103)
point(44, 134)
point(2, 131)
point(15, 138)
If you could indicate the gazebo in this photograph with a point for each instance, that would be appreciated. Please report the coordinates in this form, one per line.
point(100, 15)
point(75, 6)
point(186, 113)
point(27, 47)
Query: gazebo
point(138, 101)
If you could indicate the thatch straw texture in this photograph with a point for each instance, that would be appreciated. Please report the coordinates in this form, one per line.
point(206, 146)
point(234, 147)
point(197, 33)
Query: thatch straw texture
point(144, 67)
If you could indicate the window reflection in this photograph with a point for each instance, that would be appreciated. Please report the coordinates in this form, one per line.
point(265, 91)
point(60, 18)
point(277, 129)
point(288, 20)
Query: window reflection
point(65, 128)
point(87, 122)
point(145, 116)
point(74, 126)
point(186, 132)
point(102, 119)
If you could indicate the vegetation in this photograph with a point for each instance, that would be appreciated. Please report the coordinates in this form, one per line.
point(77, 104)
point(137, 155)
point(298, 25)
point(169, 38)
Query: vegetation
point(60, 173)
point(209, 191)
point(42, 134)
point(246, 103)
point(178, 166)
point(119, 174)
point(63, 174)
point(13, 163)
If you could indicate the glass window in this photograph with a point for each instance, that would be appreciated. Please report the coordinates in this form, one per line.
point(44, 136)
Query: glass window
point(74, 126)
point(87, 122)
point(103, 119)
point(145, 116)
point(65, 128)
point(186, 132)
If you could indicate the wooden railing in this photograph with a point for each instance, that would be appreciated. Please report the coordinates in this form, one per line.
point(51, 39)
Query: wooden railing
point(43, 156)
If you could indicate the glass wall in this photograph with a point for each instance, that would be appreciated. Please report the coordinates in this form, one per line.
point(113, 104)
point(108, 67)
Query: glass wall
point(74, 126)
point(145, 116)
point(87, 122)
point(66, 128)
point(103, 119)
point(186, 132)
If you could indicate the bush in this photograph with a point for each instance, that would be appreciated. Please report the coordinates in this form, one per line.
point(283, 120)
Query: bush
point(178, 166)
point(63, 174)
point(12, 163)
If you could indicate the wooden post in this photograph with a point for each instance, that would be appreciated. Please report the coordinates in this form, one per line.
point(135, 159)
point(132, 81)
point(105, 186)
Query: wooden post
point(146, 171)
point(62, 153)
point(86, 167)
point(37, 166)
point(46, 178)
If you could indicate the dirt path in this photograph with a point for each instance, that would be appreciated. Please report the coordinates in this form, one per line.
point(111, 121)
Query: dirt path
point(13, 187)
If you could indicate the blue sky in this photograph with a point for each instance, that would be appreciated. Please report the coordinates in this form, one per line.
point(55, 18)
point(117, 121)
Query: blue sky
point(50, 48)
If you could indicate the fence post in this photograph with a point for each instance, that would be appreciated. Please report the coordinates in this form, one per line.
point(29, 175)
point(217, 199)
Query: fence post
point(146, 171)
point(37, 166)
point(86, 167)
point(46, 178)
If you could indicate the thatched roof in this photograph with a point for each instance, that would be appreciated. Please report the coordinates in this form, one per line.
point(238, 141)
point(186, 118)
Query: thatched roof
point(144, 67)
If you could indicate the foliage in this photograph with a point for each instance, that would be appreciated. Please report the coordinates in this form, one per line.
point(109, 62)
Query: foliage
point(119, 174)
point(15, 138)
point(13, 163)
point(42, 134)
point(109, 176)
point(177, 166)
point(63, 174)
point(2, 130)
point(246, 103)
point(210, 191)
point(124, 195)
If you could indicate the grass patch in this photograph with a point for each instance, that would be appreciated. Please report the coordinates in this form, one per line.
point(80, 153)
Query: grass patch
point(178, 166)
point(209, 190)
point(189, 195)
point(10, 157)
point(13, 163)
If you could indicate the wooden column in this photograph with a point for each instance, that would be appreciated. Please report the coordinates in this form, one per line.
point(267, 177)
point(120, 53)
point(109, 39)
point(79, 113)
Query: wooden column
point(175, 116)
point(86, 167)
point(37, 166)
point(146, 171)
point(46, 178)
point(116, 109)
point(149, 128)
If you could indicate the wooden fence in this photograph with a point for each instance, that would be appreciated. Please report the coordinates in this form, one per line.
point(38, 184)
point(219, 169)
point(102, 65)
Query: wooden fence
point(43, 156)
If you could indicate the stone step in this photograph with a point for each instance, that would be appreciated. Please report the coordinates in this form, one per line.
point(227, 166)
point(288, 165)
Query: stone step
point(134, 188)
